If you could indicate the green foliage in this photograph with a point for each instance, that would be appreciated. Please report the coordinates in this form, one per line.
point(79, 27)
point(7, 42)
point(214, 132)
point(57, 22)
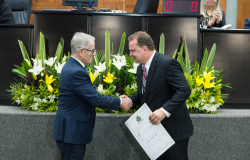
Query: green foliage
point(42, 53)
point(162, 44)
point(204, 82)
point(34, 99)
point(118, 71)
point(122, 44)
point(38, 90)
point(107, 49)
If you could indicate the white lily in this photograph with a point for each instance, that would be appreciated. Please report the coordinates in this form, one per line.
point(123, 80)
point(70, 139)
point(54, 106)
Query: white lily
point(100, 89)
point(64, 59)
point(36, 61)
point(18, 101)
point(134, 69)
point(51, 61)
point(59, 67)
point(37, 69)
point(101, 67)
point(119, 61)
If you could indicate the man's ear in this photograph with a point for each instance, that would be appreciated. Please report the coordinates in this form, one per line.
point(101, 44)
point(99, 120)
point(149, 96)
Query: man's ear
point(145, 48)
point(79, 51)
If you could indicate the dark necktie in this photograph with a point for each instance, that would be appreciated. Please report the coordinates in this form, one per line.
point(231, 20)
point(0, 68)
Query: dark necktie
point(144, 79)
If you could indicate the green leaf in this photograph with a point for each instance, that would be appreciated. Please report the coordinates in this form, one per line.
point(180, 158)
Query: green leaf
point(58, 52)
point(187, 61)
point(28, 62)
point(17, 72)
point(220, 77)
point(42, 49)
point(107, 49)
point(21, 69)
point(181, 61)
point(175, 53)
point(196, 68)
point(122, 44)
point(62, 45)
point(162, 44)
point(25, 66)
point(204, 60)
point(211, 58)
point(227, 84)
point(24, 51)
point(182, 46)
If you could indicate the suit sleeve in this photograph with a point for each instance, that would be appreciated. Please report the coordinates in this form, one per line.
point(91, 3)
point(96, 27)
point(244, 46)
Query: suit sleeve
point(82, 86)
point(135, 99)
point(175, 77)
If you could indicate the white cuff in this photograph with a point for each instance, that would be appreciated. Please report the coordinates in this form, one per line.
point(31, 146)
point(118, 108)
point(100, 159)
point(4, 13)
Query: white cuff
point(120, 100)
point(166, 112)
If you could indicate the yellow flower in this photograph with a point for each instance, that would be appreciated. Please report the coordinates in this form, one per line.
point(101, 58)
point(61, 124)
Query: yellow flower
point(207, 84)
point(93, 77)
point(207, 76)
point(199, 80)
point(109, 78)
point(207, 93)
point(48, 81)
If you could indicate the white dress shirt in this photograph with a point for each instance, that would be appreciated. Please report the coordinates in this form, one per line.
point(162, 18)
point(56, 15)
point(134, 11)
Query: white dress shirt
point(147, 65)
point(84, 66)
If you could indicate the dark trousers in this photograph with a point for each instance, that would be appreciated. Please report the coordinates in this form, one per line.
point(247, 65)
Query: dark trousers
point(177, 152)
point(71, 151)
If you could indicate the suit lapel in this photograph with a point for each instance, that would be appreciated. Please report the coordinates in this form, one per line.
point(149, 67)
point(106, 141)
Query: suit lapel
point(151, 73)
point(78, 64)
point(139, 78)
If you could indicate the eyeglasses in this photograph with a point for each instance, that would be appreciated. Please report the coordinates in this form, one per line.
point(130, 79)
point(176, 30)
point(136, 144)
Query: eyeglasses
point(93, 51)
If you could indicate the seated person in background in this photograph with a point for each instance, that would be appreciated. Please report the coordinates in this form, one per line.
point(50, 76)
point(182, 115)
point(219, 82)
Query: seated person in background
point(247, 23)
point(211, 9)
point(6, 16)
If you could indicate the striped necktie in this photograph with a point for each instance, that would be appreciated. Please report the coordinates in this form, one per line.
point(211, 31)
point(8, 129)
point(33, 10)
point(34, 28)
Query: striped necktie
point(144, 79)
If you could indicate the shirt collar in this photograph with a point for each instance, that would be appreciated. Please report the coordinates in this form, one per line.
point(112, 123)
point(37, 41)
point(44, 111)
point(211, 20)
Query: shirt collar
point(147, 65)
point(78, 61)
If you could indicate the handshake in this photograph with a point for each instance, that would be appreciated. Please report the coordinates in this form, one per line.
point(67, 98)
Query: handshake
point(126, 103)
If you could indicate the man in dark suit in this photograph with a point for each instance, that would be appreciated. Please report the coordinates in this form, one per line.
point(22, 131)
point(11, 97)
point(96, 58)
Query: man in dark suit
point(163, 87)
point(6, 15)
point(247, 23)
point(75, 118)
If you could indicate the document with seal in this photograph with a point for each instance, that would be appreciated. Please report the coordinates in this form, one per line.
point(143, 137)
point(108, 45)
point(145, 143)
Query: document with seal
point(154, 139)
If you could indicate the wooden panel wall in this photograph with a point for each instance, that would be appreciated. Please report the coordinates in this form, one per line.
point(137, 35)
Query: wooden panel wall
point(38, 5)
point(223, 5)
point(243, 12)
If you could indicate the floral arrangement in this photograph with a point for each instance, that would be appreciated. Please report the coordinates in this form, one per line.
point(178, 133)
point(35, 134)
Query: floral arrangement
point(38, 89)
point(204, 81)
point(113, 74)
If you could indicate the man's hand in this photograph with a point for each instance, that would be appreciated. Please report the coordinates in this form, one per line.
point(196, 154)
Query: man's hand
point(126, 103)
point(157, 116)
